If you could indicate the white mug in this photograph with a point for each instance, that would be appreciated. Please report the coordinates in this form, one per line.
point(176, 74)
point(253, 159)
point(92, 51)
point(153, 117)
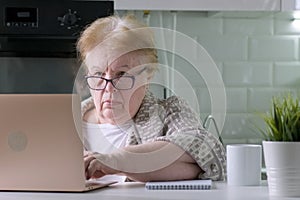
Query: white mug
point(244, 164)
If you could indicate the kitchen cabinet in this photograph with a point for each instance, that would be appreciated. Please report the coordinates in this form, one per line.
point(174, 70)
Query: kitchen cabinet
point(290, 5)
point(209, 5)
point(202, 5)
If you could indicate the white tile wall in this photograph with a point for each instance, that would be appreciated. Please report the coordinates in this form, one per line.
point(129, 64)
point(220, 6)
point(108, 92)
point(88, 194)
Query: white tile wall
point(236, 100)
point(188, 22)
point(287, 74)
point(257, 54)
point(248, 26)
point(259, 99)
point(286, 27)
point(249, 74)
point(274, 48)
point(225, 48)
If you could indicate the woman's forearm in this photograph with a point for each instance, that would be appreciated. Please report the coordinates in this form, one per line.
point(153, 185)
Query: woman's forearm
point(155, 161)
point(175, 171)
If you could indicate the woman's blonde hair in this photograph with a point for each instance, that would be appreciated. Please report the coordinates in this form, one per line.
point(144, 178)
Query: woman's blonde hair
point(120, 34)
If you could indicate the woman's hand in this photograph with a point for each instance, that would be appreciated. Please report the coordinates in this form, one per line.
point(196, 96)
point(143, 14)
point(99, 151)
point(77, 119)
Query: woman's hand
point(94, 168)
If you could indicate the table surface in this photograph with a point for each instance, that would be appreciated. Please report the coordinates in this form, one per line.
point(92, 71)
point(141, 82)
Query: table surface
point(135, 190)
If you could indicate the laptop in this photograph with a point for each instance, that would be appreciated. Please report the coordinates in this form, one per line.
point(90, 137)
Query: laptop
point(40, 144)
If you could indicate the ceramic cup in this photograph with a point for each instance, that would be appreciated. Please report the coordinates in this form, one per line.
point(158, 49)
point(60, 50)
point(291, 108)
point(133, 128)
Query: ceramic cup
point(244, 164)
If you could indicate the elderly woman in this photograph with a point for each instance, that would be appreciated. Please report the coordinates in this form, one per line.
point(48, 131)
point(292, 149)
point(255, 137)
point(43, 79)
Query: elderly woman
point(128, 131)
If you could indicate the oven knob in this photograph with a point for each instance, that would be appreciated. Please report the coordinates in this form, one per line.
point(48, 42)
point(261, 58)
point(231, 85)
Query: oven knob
point(69, 20)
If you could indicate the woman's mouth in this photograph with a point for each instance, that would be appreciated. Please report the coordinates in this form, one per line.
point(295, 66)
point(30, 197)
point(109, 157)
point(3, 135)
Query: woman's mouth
point(110, 104)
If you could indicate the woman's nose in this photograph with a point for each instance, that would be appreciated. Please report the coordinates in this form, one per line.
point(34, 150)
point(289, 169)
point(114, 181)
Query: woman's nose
point(109, 87)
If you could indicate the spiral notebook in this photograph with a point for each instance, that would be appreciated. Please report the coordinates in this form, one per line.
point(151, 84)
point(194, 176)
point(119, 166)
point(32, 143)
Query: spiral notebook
point(180, 185)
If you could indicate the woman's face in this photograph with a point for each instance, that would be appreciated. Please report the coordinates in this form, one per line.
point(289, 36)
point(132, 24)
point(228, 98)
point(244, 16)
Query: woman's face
point(117, 106)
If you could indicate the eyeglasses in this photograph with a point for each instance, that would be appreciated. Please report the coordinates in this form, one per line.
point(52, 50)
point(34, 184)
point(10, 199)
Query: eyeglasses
point(120, 83)
point(124, 82)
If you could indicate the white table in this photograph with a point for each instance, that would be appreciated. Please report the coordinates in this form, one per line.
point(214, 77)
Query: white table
point(137, 191)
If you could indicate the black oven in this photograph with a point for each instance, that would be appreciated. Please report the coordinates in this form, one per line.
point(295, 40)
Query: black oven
point(37, 42)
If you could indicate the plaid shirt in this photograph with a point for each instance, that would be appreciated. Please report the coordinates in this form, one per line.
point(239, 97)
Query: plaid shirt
point(172, 120)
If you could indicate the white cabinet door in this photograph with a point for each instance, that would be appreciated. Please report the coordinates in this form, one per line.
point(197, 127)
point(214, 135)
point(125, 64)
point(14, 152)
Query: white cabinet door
point(204, 5)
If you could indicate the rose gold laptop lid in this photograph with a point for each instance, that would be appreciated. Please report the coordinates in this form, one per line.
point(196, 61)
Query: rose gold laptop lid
point(40, 147)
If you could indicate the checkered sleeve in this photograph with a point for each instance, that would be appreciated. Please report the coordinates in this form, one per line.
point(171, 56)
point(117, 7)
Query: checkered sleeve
point(184, 129)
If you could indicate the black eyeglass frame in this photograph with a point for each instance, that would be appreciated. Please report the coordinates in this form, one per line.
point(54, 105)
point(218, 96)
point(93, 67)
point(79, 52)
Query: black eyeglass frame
point(111, 81)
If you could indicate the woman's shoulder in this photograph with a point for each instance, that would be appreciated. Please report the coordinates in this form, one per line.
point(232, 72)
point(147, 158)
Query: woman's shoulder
point(171, 104)
point(174, 102)
point(150, 97)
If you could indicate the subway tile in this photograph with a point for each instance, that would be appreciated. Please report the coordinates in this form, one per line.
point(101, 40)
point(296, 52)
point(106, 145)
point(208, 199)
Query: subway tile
point(208, 75)
point(287, 74)
point(259, 99)
point(199, 75)
point(234, 94)
point(248, 26)
point(194, 23)
point(276, 48)
point(237, 127)
point(283, 15)
point(190, 72)
point(286, 27)
point(211, 99)
point(247, 74)
point(225, 48)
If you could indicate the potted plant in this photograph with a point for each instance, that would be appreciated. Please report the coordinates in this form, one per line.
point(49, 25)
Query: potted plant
point(281, 146)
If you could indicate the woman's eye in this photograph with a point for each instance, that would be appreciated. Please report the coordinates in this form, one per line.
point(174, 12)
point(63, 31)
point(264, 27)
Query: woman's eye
point(99, 74)
point(121, 73)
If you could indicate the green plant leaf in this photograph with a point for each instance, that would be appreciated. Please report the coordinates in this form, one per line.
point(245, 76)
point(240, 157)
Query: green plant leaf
point(283, 122)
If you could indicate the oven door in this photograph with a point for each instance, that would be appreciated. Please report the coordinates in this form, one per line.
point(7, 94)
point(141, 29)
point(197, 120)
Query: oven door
point(37, 75)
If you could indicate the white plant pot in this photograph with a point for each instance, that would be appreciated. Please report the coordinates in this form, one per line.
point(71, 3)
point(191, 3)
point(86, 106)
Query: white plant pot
point(282, 161)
